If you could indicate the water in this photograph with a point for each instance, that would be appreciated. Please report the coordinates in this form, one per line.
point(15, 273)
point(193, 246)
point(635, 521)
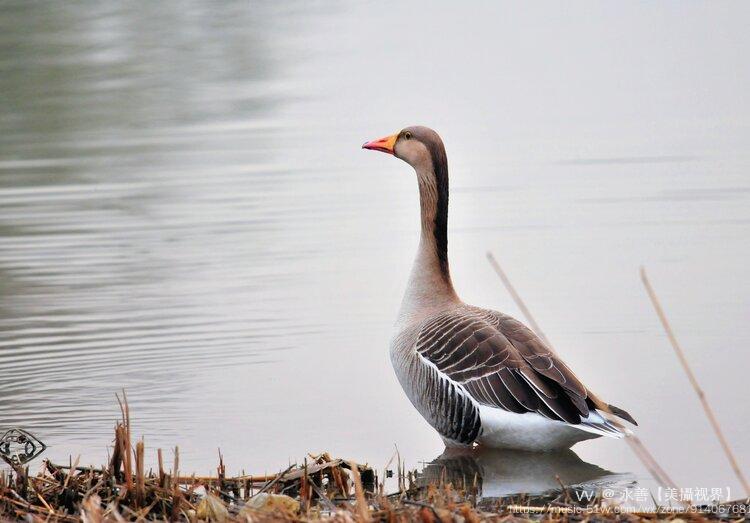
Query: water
point(185, 214)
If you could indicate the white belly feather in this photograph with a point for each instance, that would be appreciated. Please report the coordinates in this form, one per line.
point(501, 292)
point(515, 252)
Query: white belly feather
point(529, 431)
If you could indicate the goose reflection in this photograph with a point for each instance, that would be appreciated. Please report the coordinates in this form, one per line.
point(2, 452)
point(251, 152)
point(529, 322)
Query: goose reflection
point(501, 473)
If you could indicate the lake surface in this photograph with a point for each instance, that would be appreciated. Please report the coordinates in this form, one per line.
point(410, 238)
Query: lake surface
point(186, 214)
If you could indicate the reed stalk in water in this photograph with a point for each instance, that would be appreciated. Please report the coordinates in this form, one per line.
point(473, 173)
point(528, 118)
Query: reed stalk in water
point(710, 414)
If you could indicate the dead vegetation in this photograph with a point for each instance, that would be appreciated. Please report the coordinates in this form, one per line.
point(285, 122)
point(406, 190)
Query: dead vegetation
point(320, 488)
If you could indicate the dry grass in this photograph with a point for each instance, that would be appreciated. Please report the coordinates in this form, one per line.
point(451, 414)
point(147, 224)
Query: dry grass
point(321, 488)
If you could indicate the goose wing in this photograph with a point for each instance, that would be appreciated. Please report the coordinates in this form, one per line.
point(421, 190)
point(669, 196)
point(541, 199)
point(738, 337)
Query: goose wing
point(501, 363)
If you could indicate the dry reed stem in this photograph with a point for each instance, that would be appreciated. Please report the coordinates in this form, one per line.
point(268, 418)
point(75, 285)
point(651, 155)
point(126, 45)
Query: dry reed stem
point(210, 479)
point(648, 460)
point(140, 477)
point(70, 472)
point(44, 501)
point(162, 475)
point(176, 492)
point(359, 492)
point(636, 445)
point(125, 446)
point(517, 299)
point(694, 382)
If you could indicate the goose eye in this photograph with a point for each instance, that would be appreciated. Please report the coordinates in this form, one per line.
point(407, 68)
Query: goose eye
point(407, 135)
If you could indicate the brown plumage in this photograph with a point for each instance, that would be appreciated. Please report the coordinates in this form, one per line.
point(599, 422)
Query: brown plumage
point(502, 363)
point(478, 375)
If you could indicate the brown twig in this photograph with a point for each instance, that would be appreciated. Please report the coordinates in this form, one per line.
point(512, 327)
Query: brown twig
point(694, 382)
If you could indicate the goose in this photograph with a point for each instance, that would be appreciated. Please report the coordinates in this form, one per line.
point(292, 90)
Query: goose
point(478, 376)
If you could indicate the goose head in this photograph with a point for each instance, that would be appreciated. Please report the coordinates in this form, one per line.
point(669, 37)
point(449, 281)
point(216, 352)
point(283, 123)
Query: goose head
point(420, 147)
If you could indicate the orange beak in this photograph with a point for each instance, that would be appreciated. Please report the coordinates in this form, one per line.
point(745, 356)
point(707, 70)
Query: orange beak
point(384, 144)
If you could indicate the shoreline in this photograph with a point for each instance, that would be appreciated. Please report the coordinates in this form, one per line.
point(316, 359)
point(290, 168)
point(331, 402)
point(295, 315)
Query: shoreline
point(318, 488)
